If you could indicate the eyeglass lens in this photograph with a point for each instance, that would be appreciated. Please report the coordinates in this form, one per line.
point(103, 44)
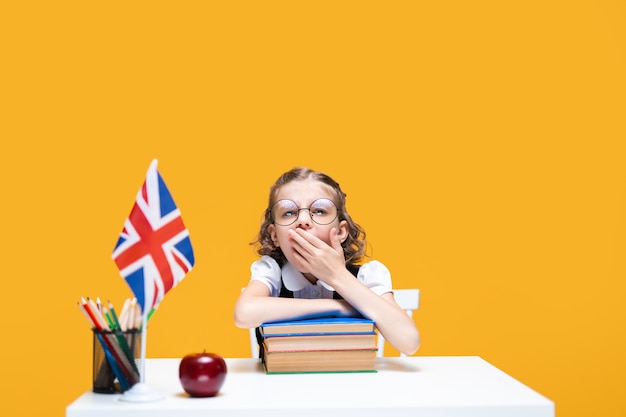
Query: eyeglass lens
point(322, 211)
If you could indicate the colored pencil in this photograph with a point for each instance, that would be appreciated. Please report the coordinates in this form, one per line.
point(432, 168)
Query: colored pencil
point(108, 318)
point(114, 316)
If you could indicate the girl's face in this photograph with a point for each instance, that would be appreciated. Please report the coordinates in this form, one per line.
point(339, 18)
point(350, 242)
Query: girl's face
point(303, 193)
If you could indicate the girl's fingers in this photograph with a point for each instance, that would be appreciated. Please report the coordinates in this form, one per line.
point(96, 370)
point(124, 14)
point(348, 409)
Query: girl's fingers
point(301, 236)
point(300, 244)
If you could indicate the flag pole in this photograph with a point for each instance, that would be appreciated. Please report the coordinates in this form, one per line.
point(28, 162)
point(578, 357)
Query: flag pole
point(141, 392)
point(142, 366)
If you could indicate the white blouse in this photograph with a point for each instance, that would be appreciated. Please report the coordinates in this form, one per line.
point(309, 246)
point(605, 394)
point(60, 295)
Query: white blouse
point(373, 275)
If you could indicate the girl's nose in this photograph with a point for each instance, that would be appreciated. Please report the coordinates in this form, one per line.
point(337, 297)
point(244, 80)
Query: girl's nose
point(304, 219)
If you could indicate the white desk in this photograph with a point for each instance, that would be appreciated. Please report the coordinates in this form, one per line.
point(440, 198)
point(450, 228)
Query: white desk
point(403, 386)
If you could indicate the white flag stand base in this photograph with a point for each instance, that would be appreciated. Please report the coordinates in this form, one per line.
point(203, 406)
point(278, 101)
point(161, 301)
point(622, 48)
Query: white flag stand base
point(140, 392)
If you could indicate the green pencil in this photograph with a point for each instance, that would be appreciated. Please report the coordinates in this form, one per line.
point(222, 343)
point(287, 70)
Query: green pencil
point(114, 315)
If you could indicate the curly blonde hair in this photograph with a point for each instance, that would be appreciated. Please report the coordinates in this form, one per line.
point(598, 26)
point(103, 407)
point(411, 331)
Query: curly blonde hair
point(354, 245)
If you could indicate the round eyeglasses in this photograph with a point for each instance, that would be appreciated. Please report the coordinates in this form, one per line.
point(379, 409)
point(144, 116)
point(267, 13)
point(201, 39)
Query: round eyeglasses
point(322, 211)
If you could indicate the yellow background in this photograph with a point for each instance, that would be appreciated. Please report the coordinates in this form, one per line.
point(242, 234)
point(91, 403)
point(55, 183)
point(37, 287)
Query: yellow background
point(481, 144)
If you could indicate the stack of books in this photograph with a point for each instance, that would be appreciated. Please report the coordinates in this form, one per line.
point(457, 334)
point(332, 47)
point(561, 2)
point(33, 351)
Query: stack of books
point(319, 345)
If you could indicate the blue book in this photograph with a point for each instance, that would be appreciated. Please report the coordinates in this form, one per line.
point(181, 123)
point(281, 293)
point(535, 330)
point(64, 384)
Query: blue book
point(319, 326)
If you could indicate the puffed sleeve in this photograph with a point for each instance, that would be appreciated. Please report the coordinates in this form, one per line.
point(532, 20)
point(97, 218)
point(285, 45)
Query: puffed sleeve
point(267, 271)
point(376, 277)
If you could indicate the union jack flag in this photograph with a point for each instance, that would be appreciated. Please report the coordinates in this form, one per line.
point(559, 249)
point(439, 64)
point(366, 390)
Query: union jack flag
point(154, 252)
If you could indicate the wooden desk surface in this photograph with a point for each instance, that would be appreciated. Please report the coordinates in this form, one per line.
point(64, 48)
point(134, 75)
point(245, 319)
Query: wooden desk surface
point(403, 386)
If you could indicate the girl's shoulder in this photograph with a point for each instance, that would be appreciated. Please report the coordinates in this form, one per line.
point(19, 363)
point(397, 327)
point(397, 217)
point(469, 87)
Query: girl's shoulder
point(375, 276)
point(267, 270)
point(265, 266)
point(266, 261)
point(373, 266)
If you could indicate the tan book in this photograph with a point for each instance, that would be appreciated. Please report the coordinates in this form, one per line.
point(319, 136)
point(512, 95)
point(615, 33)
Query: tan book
point(320, 361)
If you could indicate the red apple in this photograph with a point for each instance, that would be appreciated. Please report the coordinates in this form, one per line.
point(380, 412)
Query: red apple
point(202, 374)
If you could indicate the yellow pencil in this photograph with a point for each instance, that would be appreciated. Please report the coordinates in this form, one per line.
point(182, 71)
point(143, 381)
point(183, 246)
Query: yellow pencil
point(124, 314)
point(130, 324)
point(138, 316)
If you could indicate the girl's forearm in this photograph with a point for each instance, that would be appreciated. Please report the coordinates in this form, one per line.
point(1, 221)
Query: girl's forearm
point(253, 311)
point(392, 322)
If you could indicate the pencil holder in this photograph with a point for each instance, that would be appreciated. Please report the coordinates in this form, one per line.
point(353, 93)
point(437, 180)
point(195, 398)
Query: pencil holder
point(115, 358)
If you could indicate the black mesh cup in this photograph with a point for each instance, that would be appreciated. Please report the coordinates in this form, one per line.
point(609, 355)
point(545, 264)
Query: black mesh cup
point(115, 358)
